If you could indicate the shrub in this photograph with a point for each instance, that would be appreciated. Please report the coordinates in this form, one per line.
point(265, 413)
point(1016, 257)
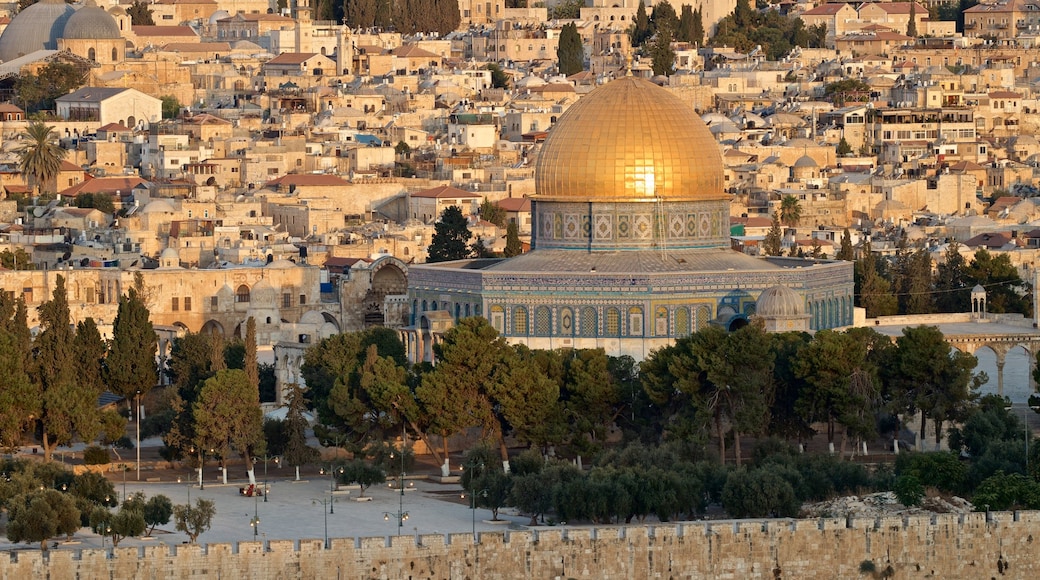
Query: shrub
point(759, 493)
point(95, 455)
point(908, 490)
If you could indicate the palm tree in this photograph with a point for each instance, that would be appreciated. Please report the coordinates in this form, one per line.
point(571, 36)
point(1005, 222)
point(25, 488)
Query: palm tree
point(790, 211)
point(41, 157)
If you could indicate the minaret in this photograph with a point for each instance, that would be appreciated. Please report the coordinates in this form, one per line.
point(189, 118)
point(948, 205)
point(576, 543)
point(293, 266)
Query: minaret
point(304, 26)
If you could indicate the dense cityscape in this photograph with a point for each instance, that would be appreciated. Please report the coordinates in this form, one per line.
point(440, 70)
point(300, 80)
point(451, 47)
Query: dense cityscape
point(630, 279)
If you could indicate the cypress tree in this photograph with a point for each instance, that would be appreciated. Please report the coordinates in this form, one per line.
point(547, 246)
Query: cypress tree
point(911, 27)
point(513, 245)
point(569, 51)
point(641, 30)
point(251, 365)
point(130, 365)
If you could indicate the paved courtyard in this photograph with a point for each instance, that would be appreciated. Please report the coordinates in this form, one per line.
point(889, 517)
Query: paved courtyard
point(300, 510)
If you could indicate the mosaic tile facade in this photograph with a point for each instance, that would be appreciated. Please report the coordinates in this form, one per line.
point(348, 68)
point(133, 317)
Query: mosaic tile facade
point(634, 225)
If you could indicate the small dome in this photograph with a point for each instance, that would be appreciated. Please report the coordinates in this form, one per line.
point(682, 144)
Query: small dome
point(806, 161)
point(38, 27)
point(91, 23)
point(779, 301)
point(281, 265)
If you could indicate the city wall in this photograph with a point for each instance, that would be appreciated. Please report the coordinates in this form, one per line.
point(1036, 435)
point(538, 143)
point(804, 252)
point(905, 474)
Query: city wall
point(1000, 545)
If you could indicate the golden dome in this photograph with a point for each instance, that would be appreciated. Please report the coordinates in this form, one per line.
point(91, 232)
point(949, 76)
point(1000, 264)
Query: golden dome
point(629, 140)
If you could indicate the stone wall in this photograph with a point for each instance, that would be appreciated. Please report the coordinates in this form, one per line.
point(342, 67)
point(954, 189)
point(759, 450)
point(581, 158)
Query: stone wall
point(941, 546)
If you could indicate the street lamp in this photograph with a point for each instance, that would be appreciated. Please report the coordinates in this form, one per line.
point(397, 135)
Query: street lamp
point(266, 459)
point(1025, 427)
point(137, 401)
point(401, 515)
point(475, 468)
point(333, 472)
point(326, 513)
point(255, 522)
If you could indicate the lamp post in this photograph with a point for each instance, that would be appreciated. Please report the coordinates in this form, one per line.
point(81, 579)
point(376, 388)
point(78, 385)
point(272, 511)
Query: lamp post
point(255, 522)
point(325, 513)
point(266, 459)
point(137, 402)
point(474, 469)
point(401, 515)
point(333, 472)
point(1025, 427)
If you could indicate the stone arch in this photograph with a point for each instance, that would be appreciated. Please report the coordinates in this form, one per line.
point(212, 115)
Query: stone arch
point(388, 279)
point(330, 319)
point(242, 294)
point(212, 327)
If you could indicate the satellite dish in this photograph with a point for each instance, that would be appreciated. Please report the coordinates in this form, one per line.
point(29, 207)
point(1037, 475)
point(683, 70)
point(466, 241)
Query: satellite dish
point(39, 211)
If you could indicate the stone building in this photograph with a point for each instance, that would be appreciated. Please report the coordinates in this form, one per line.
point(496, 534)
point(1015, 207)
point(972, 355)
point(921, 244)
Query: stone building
point(630, 242)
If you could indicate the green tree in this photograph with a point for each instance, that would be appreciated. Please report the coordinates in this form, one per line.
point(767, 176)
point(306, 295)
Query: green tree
point(952, 287)
point(663, 17)
point(18, 397)
point(451, 234)
point(41, 515)
point(1005, 289)
point(157, 512)
point(566, 10)
point(40, 158)
point(171, 107)
point(296, 452)
point(875, 291)
point(570, 53)
point(228, 418)
point(845, 251)
point(67, 405)
point(250, 364)
point(359, 13)
point(790, 211)
point(140, 14)
point(99, 201)
point(130, 366)
point(126, 523)
point(846, 90)
point(661, 51)
point(773, 244)
point(843, 148)
point(54, 79)
point(932, 378)
point(641, 30)
point(687, 31)
point(759, 493)
point(513, 245)
point(911, 26)
point(480, 249)
point(194, 520)
point(499, 77)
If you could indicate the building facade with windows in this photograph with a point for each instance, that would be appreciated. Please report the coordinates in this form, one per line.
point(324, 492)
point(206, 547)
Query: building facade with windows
point(631, 243)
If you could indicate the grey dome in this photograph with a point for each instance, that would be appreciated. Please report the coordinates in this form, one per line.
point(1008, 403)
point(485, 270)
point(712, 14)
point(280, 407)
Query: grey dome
point(38, 27)
point(779, 301)
point(91, 22)
point(805, 161)
point(217, 16)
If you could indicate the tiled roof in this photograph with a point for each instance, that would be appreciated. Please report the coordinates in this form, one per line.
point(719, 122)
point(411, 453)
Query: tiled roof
point(444, 191)
point(306, 179)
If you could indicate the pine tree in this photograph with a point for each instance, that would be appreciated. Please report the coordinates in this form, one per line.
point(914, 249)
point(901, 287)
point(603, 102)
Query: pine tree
point(297, 452)
point(513, 245)
point(773, 244)
point(130, 365)
point(570, 52)
point(843, 148)
point(450, 237)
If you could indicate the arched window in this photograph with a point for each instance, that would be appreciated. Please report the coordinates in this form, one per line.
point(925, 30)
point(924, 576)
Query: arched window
point(520, 320)
point(682, 322)
point(458, 311)
point(542, 321)
point(115, 55)
point(702, 318)
point(242, 294)
point(613, 322)
point(661, 321)
point(498, 318)
point(91, 54)
point(635, 321)
point(588, 321)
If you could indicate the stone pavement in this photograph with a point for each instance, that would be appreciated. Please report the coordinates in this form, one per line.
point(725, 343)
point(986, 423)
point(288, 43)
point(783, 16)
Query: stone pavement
point(296, 510)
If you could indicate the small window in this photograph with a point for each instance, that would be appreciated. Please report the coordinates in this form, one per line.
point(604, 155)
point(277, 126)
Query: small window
point(303, 299)
point(187, 303)
point(176, 304)
point(213, 302)
point(286, 300)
